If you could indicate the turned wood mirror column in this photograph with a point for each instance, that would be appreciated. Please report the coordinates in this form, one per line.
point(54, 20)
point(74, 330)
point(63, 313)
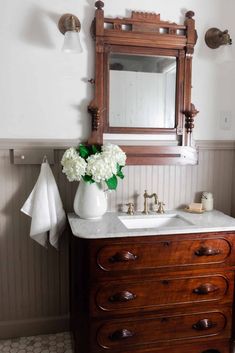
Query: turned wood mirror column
point(143, 87)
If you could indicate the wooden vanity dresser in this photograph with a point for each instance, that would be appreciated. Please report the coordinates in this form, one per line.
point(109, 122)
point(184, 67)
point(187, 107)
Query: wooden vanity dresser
point(155, 294)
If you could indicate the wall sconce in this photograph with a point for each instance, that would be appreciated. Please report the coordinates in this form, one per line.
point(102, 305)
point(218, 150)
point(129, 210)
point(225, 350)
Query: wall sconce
point(70, 26)
point(214, 38)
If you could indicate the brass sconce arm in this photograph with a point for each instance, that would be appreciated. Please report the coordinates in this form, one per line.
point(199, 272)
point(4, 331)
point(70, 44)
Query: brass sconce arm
point(69, 22)
point(214, 38)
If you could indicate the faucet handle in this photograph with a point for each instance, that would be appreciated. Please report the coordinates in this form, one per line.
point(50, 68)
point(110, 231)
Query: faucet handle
point(131, 208)
point(161, 207)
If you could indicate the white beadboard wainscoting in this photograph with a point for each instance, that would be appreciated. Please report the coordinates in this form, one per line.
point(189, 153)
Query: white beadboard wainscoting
point(34, 282)
point(178, 186)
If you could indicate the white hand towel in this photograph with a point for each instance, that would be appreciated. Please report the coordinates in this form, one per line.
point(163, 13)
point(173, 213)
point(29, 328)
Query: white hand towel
point(45, 207)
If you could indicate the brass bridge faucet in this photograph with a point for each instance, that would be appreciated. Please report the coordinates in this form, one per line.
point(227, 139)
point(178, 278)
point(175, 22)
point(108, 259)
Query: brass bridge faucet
point(147, 196)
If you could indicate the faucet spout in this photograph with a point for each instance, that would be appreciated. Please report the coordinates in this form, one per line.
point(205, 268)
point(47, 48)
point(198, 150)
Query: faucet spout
point(147, 196)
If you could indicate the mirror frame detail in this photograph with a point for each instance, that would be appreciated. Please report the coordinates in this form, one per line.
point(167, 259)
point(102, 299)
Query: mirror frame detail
point(145, 33)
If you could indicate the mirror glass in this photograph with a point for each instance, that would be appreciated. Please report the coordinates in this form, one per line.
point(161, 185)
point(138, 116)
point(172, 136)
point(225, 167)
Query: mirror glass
point(142, 91)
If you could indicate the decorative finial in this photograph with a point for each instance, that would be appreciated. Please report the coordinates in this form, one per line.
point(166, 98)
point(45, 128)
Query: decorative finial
point(190, 14)
point(99, 4)
point(190, 115)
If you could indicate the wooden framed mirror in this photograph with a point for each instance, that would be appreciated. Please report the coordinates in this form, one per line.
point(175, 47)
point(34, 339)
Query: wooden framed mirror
point(143, 87)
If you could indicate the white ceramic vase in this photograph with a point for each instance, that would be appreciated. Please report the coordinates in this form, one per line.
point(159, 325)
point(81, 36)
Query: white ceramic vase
point(90, 201)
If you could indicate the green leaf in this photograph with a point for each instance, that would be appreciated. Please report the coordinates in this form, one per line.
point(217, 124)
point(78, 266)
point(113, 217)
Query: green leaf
point(95, 149)
point(112, 182)
point(120, 175)
point(88, 179)
point(83, 151)
point(119, 171)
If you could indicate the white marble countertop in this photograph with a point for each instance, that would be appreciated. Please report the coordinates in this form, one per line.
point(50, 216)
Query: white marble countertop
point(110, 226)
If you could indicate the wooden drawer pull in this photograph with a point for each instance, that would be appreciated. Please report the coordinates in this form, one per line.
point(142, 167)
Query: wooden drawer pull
point(204, 251)
point(123, 296)
point(205, 289)
point(204, 324)
point(123, 256)
point(121, 334)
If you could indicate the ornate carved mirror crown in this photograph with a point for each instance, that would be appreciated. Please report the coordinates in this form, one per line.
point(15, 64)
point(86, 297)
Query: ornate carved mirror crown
point(143, 87)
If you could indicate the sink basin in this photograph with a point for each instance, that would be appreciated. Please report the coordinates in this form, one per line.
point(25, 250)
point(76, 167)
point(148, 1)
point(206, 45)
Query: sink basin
point(153, 221)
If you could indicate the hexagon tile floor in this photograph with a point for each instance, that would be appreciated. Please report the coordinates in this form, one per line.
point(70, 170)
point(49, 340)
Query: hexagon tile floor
point(58, 343)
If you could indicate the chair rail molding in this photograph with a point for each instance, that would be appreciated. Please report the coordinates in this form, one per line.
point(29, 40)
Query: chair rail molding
point(66, 143)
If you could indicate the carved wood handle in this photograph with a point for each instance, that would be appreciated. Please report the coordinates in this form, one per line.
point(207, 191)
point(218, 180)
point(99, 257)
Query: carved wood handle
point(123, 296)
point(123, 256)
point(121, 334)
point(204, 324)
point(205, 251)
point(205, 289)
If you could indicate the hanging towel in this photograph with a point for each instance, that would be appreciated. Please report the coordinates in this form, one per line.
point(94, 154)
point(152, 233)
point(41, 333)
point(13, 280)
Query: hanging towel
point(45, 207)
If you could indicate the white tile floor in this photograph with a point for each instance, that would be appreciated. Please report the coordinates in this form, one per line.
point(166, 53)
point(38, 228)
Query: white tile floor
point(58, 343)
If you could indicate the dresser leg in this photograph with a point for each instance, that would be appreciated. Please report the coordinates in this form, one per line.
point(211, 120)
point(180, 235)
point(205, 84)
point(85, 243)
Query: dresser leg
point(233, 347)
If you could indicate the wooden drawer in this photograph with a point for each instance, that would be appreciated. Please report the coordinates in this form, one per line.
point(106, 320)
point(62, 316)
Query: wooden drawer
point(163, 254)
point(158, 293)
point(124, 334)
point(212, 346)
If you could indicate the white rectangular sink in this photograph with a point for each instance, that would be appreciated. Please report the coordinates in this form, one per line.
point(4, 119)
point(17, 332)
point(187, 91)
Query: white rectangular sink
point(153, 221)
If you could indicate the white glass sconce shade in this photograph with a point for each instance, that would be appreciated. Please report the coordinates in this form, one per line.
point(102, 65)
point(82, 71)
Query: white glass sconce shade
point(225, 54)
point(72, 42)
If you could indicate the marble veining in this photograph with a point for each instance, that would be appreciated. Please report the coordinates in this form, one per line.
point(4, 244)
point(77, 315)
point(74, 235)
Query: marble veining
point(110, 226)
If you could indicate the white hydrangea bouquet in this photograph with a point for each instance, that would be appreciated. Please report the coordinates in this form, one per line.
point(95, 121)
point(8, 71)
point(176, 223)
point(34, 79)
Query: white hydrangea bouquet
point(94, 164)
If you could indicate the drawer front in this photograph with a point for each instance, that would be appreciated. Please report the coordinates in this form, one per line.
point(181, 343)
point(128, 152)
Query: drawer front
point(209, 347)
point(163, 254)
point(129, 333)
point(152, 294)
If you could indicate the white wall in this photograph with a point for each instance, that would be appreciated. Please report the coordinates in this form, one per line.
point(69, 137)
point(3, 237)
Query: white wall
point(43, 92)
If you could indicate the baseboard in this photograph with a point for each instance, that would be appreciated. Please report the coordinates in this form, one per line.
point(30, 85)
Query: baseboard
point(38, 326)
